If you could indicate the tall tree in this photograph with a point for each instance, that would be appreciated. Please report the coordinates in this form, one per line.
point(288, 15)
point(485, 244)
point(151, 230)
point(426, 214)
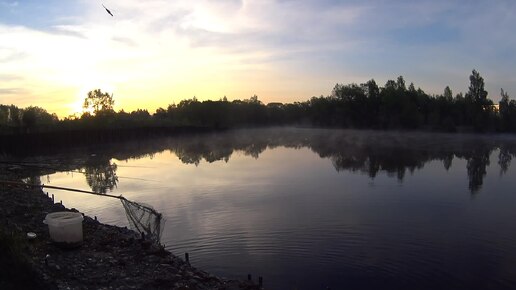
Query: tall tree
point(99, 102)
point(400, 83)
point(478, 107)
point(448, 95)
point(476, 92)
point(372, 89)
point(507, 109)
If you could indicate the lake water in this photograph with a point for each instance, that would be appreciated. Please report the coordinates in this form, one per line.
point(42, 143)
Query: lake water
point(318, 209)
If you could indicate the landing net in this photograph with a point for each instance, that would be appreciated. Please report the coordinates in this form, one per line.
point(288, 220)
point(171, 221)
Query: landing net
point(143, 219)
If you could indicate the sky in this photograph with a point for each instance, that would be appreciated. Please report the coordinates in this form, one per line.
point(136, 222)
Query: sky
point(154, 53)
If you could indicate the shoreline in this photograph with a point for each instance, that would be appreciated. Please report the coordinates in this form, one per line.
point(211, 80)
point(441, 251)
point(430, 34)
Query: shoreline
point(110, 257)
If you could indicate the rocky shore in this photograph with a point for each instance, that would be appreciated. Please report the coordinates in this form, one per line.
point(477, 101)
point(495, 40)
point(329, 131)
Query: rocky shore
point(110, 257)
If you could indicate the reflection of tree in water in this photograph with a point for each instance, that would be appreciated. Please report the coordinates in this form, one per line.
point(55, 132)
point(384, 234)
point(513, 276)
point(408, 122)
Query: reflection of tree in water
point(254, 150)
point(393, 162)
point(370, 158)
point(195, 152)
point(447, 161)
point(101, 175)
point(504, 159)
point(188, 157)
point(477, 166)
point(366, 152)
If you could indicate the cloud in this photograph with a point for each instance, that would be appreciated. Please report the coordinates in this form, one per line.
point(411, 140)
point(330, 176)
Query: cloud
point(125, 40)
point(11, 91)
point(280, 50)
point(68, 30)
point(8, 54)
point(9, 4)
point(9, 77)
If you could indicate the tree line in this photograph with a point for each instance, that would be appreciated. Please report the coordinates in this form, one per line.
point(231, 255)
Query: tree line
point(362, 106)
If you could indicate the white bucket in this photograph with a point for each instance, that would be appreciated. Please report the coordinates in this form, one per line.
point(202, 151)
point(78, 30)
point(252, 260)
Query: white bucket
point(65, 228)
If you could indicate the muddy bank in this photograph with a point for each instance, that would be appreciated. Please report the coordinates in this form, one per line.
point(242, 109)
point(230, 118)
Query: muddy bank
point(109, 258)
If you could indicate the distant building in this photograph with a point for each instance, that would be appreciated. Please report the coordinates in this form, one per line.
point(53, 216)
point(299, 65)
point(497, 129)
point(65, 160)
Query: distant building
point(495, 108)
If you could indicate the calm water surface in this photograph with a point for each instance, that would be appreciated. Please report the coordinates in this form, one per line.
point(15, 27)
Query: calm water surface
point(311, 209)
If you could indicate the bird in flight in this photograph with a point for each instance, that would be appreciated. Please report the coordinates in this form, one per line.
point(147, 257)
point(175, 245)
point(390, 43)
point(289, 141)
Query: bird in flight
point(107, 10)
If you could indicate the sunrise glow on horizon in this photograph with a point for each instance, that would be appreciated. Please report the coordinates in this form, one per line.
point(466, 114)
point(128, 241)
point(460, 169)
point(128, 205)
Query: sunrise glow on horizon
point(154, 53)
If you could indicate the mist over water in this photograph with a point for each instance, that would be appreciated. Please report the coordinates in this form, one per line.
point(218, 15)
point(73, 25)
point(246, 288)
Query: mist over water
point(313, 208)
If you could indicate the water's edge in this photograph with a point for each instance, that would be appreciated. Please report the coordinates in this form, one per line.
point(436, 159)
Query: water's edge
point(110, 256)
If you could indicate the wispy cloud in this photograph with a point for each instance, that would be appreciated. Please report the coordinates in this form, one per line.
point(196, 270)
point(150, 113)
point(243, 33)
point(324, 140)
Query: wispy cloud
point(9, 4)
point(8, 54)
point(11, 91)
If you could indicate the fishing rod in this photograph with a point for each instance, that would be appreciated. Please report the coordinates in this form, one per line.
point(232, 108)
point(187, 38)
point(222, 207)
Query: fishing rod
point(41, 186)
point(17, 183)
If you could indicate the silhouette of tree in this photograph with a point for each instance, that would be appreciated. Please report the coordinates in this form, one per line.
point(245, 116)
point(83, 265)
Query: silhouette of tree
point(367, 105)
point(476, 92)
point(29, 118)
point(400, 84)
point(448, 95)
point(374, 102)
point(507, 109)
point(479, 107)
point(36, 116)
point(99, 102)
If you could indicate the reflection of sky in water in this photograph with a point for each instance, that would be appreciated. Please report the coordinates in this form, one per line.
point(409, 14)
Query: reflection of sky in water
point(292, 218)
